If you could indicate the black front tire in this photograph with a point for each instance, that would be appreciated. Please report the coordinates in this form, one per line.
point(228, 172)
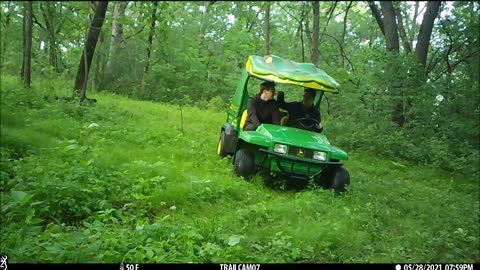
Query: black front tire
point(336, 178)
point(244, 164)
point(341, 180)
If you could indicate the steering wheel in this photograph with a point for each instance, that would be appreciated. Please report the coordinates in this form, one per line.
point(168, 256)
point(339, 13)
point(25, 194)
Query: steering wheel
point(307, 123)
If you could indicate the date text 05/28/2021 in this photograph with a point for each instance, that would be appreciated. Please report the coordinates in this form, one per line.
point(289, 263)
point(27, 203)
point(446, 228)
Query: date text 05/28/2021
point(432, 266)
point(240, 266)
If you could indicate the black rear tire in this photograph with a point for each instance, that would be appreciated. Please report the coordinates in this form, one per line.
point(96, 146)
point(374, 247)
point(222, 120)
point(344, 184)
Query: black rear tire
point(221, 145)
point(244, 164)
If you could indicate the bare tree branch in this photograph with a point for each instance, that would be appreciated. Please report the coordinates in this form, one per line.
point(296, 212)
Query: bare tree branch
point(138, 32)
point(414, 23)
point(341, 49)
point(330, 13)
point(345, 29)
point(455, 64)
point(291, 15)
point(36, 21)
point(433, 61)
point(401, 30)
point(251, 24)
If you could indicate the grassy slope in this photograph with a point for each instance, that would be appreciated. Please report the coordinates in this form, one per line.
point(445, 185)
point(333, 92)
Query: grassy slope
point(137, 188)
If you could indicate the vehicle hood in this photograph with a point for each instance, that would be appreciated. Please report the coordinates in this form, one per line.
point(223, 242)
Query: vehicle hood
point(298, 137)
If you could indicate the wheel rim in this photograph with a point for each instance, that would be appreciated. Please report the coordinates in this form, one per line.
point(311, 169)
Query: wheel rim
point(219, 147)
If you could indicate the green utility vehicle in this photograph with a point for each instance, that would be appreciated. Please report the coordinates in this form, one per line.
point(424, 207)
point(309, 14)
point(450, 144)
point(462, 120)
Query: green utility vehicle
point(293, 152)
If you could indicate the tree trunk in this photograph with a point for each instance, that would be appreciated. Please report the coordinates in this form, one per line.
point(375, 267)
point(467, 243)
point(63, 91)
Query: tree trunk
point(301, 33)
point(391, 31)
point(48, 16)
point(89, 49)
point(117, 34)
point(425, 32)
point(24, 23)
point(316, 31)
point(267, 28)
point(377, 16)
point(97, 82)
point(308, 34)
point(150, 41)
point(27, 49)
point(401, 30)
point(7, 23)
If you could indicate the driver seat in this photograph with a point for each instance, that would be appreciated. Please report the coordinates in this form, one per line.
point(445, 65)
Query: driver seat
point(243, 119)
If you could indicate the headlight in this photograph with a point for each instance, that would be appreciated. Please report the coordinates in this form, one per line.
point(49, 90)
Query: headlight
point(322, 156)
point(280, 148)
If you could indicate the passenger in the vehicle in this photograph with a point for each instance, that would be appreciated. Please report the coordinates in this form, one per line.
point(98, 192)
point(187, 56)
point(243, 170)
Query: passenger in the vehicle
point(262, 108)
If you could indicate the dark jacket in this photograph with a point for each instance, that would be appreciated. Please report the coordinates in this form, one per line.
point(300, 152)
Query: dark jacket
point(297, 110)
point(260, 112)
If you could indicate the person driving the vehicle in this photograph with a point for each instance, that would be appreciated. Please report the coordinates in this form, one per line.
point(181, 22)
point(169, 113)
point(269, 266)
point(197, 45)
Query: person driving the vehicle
point(299, 111)
point(262, 108)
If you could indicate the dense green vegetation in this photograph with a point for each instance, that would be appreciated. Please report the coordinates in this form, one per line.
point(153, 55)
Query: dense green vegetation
point(388, 102)
point(135, 175)
point(134, 187)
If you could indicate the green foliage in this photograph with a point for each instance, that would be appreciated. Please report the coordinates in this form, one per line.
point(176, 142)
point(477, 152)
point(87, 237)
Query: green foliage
point(437, 132)
point(125, 180)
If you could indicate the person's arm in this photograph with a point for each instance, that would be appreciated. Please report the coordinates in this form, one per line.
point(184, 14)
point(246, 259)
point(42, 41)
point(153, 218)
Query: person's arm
point(252, 113)
point(288, 106)
point(316, 115)
point(318, 128)
point(280, 99)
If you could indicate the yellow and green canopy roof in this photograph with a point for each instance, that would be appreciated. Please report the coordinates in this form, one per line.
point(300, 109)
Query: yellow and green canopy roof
point(279, 70)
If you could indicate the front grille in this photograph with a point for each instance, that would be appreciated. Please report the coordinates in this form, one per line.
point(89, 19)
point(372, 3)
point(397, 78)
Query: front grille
point(297, 152)
point(298, 168)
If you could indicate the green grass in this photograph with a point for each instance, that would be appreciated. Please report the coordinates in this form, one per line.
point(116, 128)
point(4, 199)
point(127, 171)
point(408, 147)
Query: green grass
point(137, 188)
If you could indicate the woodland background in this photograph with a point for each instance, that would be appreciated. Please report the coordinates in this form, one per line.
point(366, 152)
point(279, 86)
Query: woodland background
point(409, 71)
